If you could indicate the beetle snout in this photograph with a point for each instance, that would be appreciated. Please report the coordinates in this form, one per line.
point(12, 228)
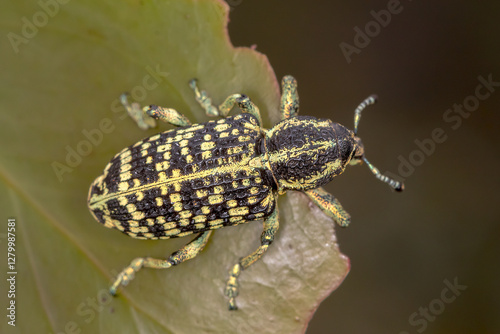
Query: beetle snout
point(358, 152)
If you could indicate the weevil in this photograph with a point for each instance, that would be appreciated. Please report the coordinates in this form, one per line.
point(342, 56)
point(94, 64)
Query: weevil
point(228, 171)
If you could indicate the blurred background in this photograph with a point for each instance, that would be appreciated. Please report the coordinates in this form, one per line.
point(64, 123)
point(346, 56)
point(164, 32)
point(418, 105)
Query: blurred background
point(426, 260)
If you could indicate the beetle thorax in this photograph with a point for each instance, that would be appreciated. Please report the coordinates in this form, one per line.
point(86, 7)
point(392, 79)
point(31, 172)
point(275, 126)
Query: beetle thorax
point(306, 152)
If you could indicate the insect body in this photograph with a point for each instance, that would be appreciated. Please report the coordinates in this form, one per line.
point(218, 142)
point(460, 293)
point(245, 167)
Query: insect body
point(201, 177)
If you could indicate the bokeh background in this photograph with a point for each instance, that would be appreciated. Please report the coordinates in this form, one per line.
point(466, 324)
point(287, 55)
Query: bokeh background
point(405, 249)
point(445, 225)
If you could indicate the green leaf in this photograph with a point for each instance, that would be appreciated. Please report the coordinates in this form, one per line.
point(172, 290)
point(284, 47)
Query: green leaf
point(63, 66)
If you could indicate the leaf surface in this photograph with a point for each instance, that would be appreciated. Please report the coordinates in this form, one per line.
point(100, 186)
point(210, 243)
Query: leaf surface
point(63, 67)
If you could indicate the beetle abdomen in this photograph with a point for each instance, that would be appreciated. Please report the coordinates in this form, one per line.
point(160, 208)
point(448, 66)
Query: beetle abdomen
point(184, 181)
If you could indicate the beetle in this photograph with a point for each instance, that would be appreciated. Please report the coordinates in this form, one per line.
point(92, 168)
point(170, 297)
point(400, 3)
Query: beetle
point(228, 171)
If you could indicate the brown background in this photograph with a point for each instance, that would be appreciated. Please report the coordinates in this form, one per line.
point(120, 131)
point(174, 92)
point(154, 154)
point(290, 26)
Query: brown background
point(445, 225)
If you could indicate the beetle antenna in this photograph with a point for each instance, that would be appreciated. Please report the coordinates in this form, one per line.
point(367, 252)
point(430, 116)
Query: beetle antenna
point(396, 185)
point(357, 113)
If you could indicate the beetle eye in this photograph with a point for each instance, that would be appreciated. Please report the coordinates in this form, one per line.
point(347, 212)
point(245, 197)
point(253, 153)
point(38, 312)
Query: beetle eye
point(346, 150)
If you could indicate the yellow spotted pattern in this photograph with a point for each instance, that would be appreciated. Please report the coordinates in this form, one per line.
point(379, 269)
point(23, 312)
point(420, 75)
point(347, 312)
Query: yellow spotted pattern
point(186, 180)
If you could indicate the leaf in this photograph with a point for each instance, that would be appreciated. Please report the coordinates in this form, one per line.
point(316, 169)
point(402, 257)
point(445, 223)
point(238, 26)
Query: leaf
point(63, 67)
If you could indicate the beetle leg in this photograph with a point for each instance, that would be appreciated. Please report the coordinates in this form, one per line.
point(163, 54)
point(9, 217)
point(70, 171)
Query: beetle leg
point(136, 113)
point(187, 252)
point(329, 205)
point(167, 115)
point(145, 117)
point(289, 106)
point(203, 99)
point(244, 103)
point(271, 225)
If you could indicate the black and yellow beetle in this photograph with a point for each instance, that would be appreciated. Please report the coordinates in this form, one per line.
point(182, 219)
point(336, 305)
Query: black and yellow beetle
point(201, 177)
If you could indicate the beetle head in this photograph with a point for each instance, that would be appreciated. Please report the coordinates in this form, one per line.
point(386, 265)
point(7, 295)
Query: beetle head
point(306, 152)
